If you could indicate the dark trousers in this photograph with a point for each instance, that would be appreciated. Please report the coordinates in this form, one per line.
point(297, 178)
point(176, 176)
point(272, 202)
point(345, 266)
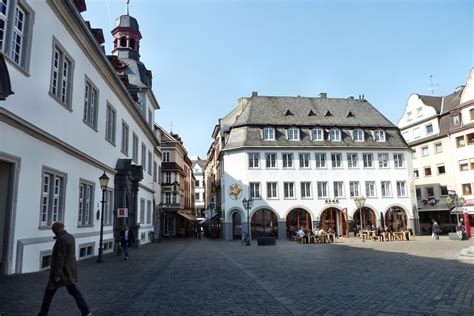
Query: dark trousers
point(72, 290)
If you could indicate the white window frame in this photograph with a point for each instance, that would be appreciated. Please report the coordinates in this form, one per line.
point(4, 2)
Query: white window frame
point(166, 156)
point(385, 189)
point(438, 148)
point(86, 203)
point(287, 160)
point(305, 187)
point(142, 211)
point(110, 123)
point(53, 191)
point(62, 72)
point(370, 189)
point(383, 159)
point(336, 160)
point(335, 134)
point(272, 190)
point(254, 160)
point(289, 190)
point(91, 104)
point(425, 151)
point(293, 134)
point(254, 190)
point(427, 127)
point(143, 161)
point(320, 159)
point(338, 187)
point(399, 160)
point(317, 134)
point(148, 211)
point(304, 160)
point(401, 189)
point(150, 162)
point(270, 160)
point(379, 135)
point(135, 142)
point(268, 133)
point(358, 135)
point(125, 132)
point(322, 189)
point(368, 163)
point(109, 207)
point(352, 160)
point(354, 189)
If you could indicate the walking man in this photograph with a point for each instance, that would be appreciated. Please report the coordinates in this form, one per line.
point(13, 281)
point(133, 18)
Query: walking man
point(127, 239)
point(63, 271)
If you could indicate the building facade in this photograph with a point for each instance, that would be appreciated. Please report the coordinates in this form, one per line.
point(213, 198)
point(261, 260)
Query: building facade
point(72, 117)
point(304, 160)
point(199, 187)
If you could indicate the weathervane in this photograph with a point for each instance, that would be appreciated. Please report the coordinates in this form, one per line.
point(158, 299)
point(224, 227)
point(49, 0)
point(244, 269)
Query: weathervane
point(128, 1)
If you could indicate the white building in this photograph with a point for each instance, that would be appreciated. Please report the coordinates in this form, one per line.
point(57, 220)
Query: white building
point(71, 118)
point(199, 187)
point(304, 160)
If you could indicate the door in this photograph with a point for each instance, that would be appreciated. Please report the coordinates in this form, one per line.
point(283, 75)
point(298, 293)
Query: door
point(6, 189)
point(236, 226)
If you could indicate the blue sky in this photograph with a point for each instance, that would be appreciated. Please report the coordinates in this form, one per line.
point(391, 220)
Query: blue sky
point(205, 54)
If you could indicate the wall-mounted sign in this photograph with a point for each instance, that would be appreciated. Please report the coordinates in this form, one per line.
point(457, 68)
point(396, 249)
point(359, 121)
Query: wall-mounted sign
point(235, 191)
point(122, 212)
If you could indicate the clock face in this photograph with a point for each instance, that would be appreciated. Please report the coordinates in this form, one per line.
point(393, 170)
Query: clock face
point(235, 191)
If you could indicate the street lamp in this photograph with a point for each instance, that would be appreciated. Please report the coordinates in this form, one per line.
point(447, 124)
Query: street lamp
point(360, 202)
point(248, 205)
point(104, 181)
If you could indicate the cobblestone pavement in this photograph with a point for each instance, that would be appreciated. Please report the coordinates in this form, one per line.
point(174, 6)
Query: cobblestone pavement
point(209, 277)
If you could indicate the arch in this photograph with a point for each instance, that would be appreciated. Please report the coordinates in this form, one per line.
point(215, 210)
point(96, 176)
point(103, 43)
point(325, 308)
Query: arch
point(369, 217)
point(264, 223)
point(396, 217)
point(333, 217)
point(236, 225)
point(297, 218)
point(123, 41)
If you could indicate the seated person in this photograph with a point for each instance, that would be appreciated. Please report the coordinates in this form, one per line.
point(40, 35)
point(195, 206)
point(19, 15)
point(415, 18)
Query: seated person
point(322, 234)
point(332, 234)
point(300, 233)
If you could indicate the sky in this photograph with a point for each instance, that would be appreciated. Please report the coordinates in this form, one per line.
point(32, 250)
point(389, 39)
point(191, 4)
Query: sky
point(206, 54)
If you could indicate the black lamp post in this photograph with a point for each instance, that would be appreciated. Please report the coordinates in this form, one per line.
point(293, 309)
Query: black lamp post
point(104, 181)
point(360, 202)
point(248, 205)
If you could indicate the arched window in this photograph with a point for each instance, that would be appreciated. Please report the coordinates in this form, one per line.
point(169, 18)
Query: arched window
point(132, 43)
point(123, 41)
point(335, 134)
point(358, 135)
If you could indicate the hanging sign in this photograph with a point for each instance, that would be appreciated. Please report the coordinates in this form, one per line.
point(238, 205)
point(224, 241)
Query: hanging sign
point(122, 212)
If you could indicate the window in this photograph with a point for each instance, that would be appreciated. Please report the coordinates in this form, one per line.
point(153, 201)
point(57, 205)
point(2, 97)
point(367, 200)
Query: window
point(335, 134)
point(15, 27)
point(288, 188)
point(438, 148)
point(254, 190)
point(90, 104)
point(52, 197)
point(268, 133)
point(61, 74)
point(142, 211)
point(354, 189)
point(167, 198)
point(320, 160)
point(429, 191)
point(305, 190)
point(135, 148)
point(287, 160)
point(425, 151)
point(322, 189)
point(109, 207)
point(86, 251)
point(409, 116)
point(429, 129)
point(379, 135)
point(166, 156)
point(124, 146)
point(401, 189)
point(416, 173)
point(167, 177)
point(143, 157)
point(110, 119)
point(383, 160)
point(456, 119)
point(460, 142)
point(254, 159)
point(368, 160)
point(358, 135)
point(45, 256)
point(471, 114)
point(272, 190)
point(150, 118)
point(338, 189)
point(444, 190)
point(398, 160)
point(197, 196)
point(385, 188)
point(270, 160)
point(427, 171)
point(419, 112)
point(149, 163)
point(470, 139)
point(86, 203)
point(463, 165)
point(196, 183)
point(352, 160)
point(336, 160)
point(148, 212)
point(370, 188)
point(293, 134)
point(155, 172)
point(466, 189)
point(304, 160)
point(418, 194)
point(416, 132)
point(318, 134)
point(108, 246)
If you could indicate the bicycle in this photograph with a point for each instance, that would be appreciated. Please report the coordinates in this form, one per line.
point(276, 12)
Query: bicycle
point(246, 240)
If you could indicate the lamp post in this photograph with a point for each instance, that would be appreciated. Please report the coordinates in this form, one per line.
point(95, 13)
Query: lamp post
point(360, 202)
point(248, 205)
point(104, 181)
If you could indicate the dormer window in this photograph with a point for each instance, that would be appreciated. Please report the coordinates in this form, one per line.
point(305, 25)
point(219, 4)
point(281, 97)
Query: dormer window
point(318, 134)
point(293, 134)
point(268, 133)
point(379, 135)
point(335, 134)
point(358, 135)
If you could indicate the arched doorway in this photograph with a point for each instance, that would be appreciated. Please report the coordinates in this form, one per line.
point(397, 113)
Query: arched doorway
point(236, 226)
point(335, 219)
point(264, 224)
point(397, 217)
point(296, 219)
point(368, 218)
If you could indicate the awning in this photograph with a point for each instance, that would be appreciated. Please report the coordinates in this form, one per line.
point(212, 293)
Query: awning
point(189, 217)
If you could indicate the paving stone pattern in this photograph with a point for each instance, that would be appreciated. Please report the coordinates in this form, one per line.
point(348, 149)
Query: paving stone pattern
point(210, 277)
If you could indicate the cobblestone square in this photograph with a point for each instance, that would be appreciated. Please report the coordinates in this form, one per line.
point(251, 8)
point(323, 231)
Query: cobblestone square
point(209, 277)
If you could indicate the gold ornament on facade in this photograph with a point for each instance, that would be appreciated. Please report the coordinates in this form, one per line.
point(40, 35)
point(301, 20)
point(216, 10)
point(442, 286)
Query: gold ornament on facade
point(235, 191)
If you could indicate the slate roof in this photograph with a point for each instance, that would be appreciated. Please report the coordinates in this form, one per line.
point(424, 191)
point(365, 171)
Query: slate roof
point(432, 101)
point(137, 73)
point(127, 21)
point(307, 113)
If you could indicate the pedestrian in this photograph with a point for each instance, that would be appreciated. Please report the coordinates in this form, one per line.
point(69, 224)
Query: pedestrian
point(460, 229)
point(126, 239)
point(436, 230)
point(63, 271)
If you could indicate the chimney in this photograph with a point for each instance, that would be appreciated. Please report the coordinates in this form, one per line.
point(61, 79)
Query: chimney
point(323, 95)
point(254, 93)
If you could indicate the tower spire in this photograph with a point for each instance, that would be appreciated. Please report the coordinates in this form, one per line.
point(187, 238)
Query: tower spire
point(126, 12)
